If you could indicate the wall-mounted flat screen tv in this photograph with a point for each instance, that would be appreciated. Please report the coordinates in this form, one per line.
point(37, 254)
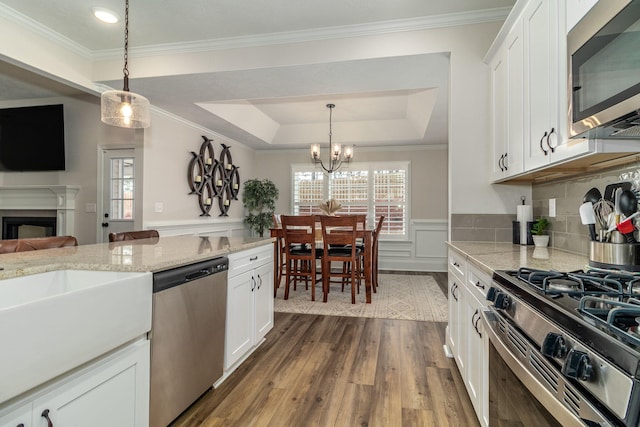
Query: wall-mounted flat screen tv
point(32, 138)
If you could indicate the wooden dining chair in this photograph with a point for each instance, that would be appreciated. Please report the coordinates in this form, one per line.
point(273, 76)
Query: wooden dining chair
point(339, 235)
point(133, 235)
point(300, 252)
point(277, 223)
point(374, 254)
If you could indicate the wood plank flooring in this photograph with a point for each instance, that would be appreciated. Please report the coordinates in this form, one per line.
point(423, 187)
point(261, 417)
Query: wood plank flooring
point(340, 371)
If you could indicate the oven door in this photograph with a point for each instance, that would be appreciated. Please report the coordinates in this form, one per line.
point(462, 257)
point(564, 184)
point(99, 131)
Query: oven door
point(525, 388)
point(604, 65)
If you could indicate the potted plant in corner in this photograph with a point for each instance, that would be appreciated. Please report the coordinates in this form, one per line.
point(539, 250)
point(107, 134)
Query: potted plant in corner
point(259, 199)
point(539, 232)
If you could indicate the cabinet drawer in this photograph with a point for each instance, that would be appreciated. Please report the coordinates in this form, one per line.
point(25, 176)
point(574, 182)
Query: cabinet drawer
point(457, 263)
point(478, 282)
point(243, 261)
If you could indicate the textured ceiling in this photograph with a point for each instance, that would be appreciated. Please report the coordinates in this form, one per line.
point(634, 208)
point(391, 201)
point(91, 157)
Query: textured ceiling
point(399, 100)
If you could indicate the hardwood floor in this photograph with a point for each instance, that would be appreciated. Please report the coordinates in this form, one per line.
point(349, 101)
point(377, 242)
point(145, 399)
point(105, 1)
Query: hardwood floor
point(340, 371)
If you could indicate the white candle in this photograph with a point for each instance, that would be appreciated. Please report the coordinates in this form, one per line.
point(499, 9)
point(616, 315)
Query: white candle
point(226, 203)
point(209, 161)
point(219, 183)
point(198, 178)
point(229, 166)
point(208, 202)
point(235, 186)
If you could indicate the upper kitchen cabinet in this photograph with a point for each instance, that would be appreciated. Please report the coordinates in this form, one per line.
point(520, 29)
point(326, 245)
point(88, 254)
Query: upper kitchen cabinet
point(545, 65)
point(507, 106)
point(529, 99)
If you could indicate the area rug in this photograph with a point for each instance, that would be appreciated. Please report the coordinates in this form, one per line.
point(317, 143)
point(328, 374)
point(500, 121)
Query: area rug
point(399, 296)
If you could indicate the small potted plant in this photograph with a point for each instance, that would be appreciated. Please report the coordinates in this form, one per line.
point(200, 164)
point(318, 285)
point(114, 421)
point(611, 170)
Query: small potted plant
point(539, 232)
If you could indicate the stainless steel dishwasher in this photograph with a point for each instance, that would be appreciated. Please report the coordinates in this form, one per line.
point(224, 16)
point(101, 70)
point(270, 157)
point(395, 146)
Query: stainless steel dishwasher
point(187, 336)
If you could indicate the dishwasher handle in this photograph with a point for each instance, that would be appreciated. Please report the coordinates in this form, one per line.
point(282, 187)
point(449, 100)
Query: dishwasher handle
point(197, 275)
point(167, 279)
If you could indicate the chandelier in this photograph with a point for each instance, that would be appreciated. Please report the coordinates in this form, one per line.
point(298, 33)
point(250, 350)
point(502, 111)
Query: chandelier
point(120, 107)
point(337, 153)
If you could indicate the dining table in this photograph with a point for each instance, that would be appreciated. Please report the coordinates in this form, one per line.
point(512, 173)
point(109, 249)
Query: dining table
point(365, 234)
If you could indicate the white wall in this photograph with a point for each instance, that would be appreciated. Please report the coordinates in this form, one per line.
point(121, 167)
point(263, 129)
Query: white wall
point(84, 132)
point(168, 144)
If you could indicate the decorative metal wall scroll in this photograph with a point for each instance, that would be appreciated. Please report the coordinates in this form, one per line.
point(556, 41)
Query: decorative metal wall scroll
point(210, 178)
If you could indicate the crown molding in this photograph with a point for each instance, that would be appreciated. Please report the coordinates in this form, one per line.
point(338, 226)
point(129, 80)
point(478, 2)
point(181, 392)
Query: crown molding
point(327, 33)
point(44, 32)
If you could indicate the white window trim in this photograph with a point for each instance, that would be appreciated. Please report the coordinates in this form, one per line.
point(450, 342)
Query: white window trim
point(370, 166)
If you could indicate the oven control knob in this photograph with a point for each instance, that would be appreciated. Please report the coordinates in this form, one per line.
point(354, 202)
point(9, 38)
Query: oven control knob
point(578, 366)
point(502, 301)
point(554, 345)
point(491, 293)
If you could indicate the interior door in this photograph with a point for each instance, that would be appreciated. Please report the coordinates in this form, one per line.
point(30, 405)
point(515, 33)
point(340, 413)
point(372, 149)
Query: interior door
point(118, 191)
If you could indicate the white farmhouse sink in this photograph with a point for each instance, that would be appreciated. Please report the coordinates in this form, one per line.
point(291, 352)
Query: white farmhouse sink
point(53, 322)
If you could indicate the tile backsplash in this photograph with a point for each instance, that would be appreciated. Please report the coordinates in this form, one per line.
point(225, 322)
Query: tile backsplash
point(566, 230)
point(482, 227)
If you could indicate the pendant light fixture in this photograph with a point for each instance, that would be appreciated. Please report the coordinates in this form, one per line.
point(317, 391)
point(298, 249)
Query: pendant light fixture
point(337, 153)
point(121, 107)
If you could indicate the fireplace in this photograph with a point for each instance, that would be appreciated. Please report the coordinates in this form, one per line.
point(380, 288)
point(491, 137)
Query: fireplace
point(21, 227)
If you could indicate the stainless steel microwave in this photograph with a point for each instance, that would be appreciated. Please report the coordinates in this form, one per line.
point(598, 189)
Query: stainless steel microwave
point(604, 72)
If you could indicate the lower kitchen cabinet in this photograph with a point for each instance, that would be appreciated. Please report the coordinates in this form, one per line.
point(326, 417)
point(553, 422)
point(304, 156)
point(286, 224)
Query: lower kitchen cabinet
point(466, 339)
point(249, 303)
point(113, 391)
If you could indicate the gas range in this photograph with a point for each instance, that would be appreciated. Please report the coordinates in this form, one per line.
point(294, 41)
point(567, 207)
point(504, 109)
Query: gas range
point(586, 325)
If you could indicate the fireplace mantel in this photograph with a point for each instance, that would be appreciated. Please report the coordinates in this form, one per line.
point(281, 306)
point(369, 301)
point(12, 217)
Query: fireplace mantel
point(61, 198)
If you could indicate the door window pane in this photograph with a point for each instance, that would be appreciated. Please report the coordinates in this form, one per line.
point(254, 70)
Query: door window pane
point(122, 188)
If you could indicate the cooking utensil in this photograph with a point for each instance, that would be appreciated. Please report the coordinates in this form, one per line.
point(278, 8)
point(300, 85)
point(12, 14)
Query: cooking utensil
point(593, 196)
point(616, 205)
point(628, 203)
point(603, 208)
point(588, 217)
point(627, 228)
point(610, 190)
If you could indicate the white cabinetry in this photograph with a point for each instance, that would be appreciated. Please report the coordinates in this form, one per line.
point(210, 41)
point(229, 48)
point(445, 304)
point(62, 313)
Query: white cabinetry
point(249, 303)
point(113, 391)
point(507, 106)
point(545, 59)
point(466, 339)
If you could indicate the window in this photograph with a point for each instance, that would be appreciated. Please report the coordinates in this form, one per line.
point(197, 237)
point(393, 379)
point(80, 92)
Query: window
point(374, 189)
point(122, 184)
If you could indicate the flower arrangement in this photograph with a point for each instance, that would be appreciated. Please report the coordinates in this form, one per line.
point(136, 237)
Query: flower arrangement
point(330, 207)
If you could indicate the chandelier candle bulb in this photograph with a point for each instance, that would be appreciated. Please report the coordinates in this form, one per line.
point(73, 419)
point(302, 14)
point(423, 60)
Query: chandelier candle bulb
point(235, 186)
point(209, 161)
point(226, 202)
point(219, 183)
point(198, 178)
point(208, 202)
point(229, 166)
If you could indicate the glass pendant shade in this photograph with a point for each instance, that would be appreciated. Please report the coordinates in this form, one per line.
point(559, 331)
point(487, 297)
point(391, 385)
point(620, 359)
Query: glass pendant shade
point(125, 109)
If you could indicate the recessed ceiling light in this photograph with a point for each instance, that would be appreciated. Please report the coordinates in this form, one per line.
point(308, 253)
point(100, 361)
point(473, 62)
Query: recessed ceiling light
point(105, 15)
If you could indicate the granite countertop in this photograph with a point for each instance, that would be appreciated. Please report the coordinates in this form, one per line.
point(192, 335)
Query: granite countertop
point(490, 256)
point(133, 255)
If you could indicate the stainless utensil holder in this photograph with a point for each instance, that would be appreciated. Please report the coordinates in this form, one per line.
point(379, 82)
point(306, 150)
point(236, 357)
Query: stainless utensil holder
point(619, 256)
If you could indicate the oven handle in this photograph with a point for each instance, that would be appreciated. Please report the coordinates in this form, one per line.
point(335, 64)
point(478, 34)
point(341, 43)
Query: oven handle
point(564, 416)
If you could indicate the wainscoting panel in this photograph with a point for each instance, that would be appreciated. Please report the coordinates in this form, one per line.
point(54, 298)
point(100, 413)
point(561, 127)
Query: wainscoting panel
point(424, 251)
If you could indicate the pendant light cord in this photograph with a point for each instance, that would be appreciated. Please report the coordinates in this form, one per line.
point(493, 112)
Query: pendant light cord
point(125, 70)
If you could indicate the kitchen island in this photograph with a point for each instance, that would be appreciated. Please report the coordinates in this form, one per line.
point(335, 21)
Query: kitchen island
point(144, 255)
point(75, 323)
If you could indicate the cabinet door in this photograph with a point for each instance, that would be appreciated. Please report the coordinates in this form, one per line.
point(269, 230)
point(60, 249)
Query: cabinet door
point(18, 416)
point(540, 34)
point(477, 361)
point(263, 301)
point(514, 140)
point(113, 393)
point(239, 327)
point(456, 325)
point(499, 111)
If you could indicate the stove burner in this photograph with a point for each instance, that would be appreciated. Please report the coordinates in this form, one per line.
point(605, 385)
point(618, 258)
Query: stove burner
point(621, 318)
